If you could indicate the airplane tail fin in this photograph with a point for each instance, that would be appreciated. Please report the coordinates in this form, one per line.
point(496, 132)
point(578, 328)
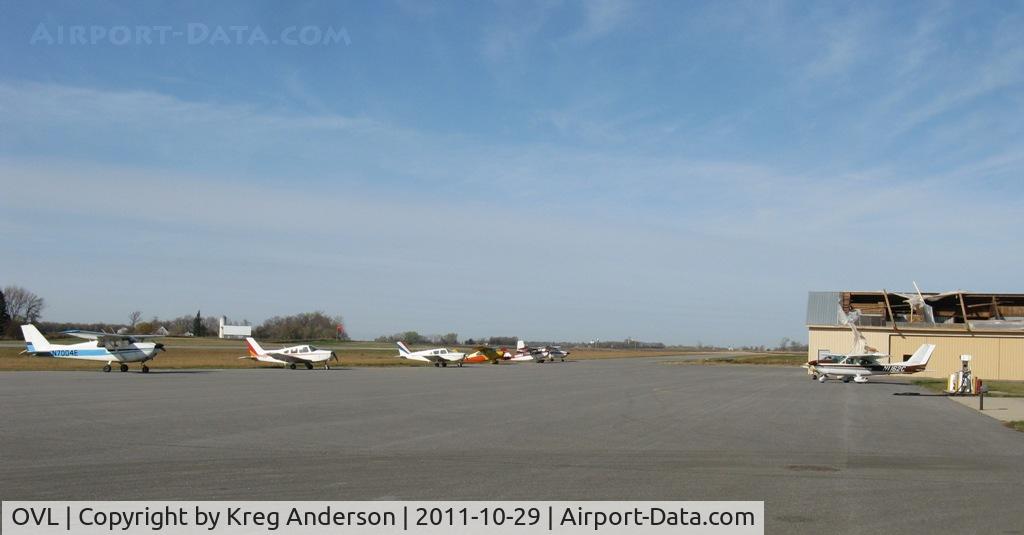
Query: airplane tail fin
point(254, 348)
point(520, 344)
point(34, 339)
point(922, 355)
point(403, 350)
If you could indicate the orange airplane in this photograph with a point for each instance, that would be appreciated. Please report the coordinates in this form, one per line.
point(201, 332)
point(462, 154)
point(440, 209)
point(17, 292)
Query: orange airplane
point(486, 353)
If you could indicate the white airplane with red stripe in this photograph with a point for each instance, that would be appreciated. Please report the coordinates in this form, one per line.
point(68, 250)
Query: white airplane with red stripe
point(529, 354)
point(291, 356)
point(440, 356)
point(863, 361)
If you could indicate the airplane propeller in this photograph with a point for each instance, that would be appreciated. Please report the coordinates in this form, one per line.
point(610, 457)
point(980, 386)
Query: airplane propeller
point(160, 346)
point(334, 356)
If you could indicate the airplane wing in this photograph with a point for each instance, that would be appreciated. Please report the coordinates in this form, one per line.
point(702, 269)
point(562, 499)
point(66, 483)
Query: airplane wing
point(288, 357)
point(95, 335)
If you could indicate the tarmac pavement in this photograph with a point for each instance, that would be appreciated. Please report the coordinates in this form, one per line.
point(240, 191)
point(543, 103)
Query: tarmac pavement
point(833, 457)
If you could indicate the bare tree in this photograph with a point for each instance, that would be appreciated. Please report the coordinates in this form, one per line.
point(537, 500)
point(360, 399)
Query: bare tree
point(134, 318)
point(22, 305)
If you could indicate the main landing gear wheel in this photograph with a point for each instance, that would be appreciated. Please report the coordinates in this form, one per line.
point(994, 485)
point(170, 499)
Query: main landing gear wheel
point(444, 364)
point(124, 368)
point(107, 368)
point(309, 365)
point(145, 369)
point(822, 378)
point(846, 379)
point(814, 377)
point(460, 364)
point(327, 366)
point(291, 366)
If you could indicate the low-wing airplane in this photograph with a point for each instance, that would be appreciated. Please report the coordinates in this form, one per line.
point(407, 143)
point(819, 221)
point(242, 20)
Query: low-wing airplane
point(553, 352)
point(108, 347)
point(863, 361)
point(486, 354)
point(292, 356)
point(440, 356)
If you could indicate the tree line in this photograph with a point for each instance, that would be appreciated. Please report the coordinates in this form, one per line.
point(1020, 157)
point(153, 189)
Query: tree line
point(413, 337)
point(19, 306)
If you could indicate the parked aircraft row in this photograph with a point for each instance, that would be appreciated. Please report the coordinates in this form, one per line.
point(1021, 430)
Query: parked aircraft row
point(123, 349)
point(442, 356)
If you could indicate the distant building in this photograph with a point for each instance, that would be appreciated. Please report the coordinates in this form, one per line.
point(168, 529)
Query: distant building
point(232, 331)
point(988, 326)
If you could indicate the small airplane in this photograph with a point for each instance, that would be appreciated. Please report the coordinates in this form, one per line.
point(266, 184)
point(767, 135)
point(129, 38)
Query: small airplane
point(553, 352)
point(863, 361)
point(527, 353)
point(440, 356)
point(860, 367)
point(292, 356)
point(109, 347)
point(487, 354)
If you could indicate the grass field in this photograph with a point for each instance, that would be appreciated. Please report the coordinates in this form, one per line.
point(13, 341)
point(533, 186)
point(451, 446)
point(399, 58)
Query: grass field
point(997, 389)
point(189, 353)
point(760, 359)
point(1016, 425)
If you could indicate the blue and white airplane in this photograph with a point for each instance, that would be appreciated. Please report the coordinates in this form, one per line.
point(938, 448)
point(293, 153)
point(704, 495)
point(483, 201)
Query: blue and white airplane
point(108, 347)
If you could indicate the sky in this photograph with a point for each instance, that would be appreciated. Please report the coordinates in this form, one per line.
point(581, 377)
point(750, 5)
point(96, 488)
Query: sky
point(679, 172)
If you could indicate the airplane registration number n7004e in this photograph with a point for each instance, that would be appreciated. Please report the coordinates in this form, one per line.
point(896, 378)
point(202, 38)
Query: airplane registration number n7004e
point(65, 352)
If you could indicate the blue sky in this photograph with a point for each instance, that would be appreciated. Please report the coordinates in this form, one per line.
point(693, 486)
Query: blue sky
point(667, 171)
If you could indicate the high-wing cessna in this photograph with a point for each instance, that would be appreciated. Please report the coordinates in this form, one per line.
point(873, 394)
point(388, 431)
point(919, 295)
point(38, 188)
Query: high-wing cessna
point(440, 356)
point(290, 356)
point(527, 353)
point(108, 347)
point(863, 361)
